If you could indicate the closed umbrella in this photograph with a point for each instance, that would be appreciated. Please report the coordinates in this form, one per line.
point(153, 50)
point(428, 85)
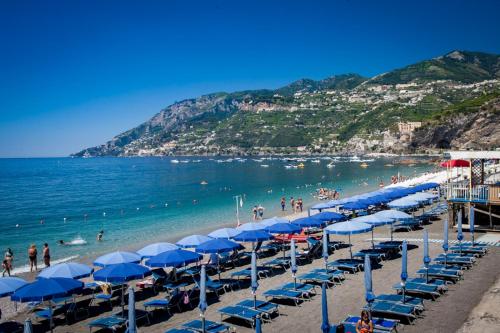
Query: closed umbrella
point(121, 273)
point(28, 327)
point(132, 327)
point(445, 241)
point(8, 285)
point(155, 249)
point(192, 241)
point(427, 259)
point(369, 296)
point(118, 257)
point(325, 248)
point(348, 228)
point(460, 235)
point(174, 258)
point(224, 233)
point(203, 296)
point(293, 263)
point(44, 290)
point(258, 325)
point(471, 223)
point(254, 282)
point(325, 323)
point(404, 268)
point(70, 270)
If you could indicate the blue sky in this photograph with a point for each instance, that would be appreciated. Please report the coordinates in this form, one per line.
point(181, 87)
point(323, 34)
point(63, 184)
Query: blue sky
point(75, 73)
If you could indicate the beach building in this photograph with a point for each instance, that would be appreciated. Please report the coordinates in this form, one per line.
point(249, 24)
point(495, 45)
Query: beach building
point(408, 127)
point(477, 185)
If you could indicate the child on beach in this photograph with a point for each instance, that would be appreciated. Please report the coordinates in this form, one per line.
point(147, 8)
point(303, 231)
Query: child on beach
point(32, 253)
point(364, 325)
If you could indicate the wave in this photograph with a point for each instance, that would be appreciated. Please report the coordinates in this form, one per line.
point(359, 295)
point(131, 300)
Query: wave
point(77, 241)
point(26, 268)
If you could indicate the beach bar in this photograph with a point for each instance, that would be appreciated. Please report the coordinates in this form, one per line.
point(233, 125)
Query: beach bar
point(477, 186)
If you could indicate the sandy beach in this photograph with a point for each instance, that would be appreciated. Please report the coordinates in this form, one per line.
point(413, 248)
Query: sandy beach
point(450, 312)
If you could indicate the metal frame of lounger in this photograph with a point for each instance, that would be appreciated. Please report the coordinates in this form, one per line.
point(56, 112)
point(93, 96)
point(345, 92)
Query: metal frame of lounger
point(265, 307)
point(417, 302)
point(383, 324)
point(284, 294)
point(317, 278)
point(351, 268)
point(454, 261)
point(115, 323)
point(210, 326)
point(420, 289)
point(392, 309)
point(233, 311)
point(439, 274)
point(337, 275)
point(310, 289)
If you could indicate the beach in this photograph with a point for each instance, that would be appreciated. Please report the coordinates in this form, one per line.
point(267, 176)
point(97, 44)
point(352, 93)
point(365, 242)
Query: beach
point(348, 298)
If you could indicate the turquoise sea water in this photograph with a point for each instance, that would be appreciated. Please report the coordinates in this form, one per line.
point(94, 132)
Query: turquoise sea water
point(141, 200)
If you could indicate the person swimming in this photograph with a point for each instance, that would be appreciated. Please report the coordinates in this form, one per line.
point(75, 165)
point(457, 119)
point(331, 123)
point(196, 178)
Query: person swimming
point(100, 235)
point(61, 242)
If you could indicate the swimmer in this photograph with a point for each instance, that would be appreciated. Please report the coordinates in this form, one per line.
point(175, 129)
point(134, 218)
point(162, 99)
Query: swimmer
point(61, 242)
point(100, 235)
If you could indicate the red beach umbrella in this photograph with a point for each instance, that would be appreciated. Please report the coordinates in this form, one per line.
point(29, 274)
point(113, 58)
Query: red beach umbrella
point(455, 164)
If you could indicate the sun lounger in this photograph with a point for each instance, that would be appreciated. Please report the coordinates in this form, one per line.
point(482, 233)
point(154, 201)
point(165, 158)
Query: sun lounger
point(179, 330)
point(282, 263)
point(386, 325)
point(239, 312)
point(351, 328)
point(440, 284)
point(309, 289)
point(349, 266)
point(337, 275)
point(265, 307)
point(445, 274)
point(419, 289)
point(60, 309)
point(111, 323)
point(11, 327)
point(394, 310)
point(295, 296)
point(317, 278)
point(454, 261)
point(166, 303)
point(210, 326)
point(374, 256)
point(396, 298)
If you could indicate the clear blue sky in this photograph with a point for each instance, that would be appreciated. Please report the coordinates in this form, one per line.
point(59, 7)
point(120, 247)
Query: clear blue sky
point(75, 73)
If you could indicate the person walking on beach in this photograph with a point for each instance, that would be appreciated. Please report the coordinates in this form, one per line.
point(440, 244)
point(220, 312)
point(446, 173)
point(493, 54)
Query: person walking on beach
point(260, 210)
point(292, 203)
point(254, 211)
point(283, 203)
point(6, 268)
point(364, 324)
point(46, 255)
point(32, 254)
point(301, 204)
point(8, 258)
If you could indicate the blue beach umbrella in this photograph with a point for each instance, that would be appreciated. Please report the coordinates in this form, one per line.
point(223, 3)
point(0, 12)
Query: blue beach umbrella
point(471, 223)
point(403, 203)
point(192, 241)
point(8, 285)
point(44, 290)
point(329, 217)
point(251, 226)
point(118, 257)
point(404, 268)
point(273, 220)
point(309, 222)
point(120, 273)
point(325, 323)
point(427, 259)
point(132, 327)
point(28, 327)
point(375, 221)
point(460, 234)
point(349, 228)
point(155, 249)
point(224, 233)
point(70, 270)
point(174, 258)
point(293, 262)
point(286, 228)
point(357, 205)
point(394, 214)
point(253, 236)
point(369, 296)
point(325, 248)
point(254, 282)
point(203, 296)
point(218, 245)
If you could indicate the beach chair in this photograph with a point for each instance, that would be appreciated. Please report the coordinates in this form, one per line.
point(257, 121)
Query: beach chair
point(11, 327)
point(210, 326)
point(266, 308)
point(443, 274)
point(211, 285)
point(464, 262)
point(239, 312)
point(316, 277)
point(179, 330)
point(281, 263)
point(417, 302)
point(382, 324)
point(476, 250)
point(442, 285)
point(350, 265)
point(351, 328)
point(374, 255)
point(336, 274)
point(109, 294)
point(111, 323)
point(173, 301)
point(406, 312)
point(307, 289)
point(58, 310)
point(284, 294)
point(426, 290)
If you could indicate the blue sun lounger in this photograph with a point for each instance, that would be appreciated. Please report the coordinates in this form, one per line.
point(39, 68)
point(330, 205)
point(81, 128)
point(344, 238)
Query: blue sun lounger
point(395, 310)
point(386, 325)
point(210, 326)
point(281, 263)
point(478, 250)
point(305, 288)
point(396, 298)
point(337, 275)
point(179, 330)
point(444, 274)
point(454, 261)
point(351, 266)
point(351, 328)
point(295, 296)
point(164, 303)
point(420, 289)
point(111, 323)
point(440, 284)
point(316, 278)
point(265, 307)
point(239, 312)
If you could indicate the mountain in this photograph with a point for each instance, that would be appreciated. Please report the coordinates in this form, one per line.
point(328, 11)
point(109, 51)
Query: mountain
point(342, 113)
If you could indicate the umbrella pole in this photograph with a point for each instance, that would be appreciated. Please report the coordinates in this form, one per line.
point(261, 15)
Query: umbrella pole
point(51, 320)
point(373, 244)
point(123, 302)
point(350, 245)
point(404, 292)
point(203, 329)
point(254, 299)
point(392, 230)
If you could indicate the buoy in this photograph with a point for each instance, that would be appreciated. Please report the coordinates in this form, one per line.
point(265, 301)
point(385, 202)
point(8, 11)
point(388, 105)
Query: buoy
point(17, 225)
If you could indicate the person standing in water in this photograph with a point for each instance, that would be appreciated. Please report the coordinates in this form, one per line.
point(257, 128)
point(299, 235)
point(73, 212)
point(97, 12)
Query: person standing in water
point(32, 254)
point(100, 235)
point(260, 209)
point(301, 204)
point(283, 203)
point(254, 212)
point(46, 255)
point(9, 256)
point(292, 204)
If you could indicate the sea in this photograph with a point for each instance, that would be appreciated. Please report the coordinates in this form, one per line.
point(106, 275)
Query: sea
point(137, 201)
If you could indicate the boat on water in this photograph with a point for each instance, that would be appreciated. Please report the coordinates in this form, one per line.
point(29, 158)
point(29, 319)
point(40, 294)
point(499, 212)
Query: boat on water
point(264, 165)
point(203, 182)
point(315, 161)
point(174, 161)
point(330, 165)
point(301, 165)
point(364, 165)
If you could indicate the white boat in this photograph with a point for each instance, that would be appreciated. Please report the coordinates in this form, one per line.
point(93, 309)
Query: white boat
point(315, 161)
point(184, 161)
point(264, 165)
point(330, 165)
point(174, 161)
